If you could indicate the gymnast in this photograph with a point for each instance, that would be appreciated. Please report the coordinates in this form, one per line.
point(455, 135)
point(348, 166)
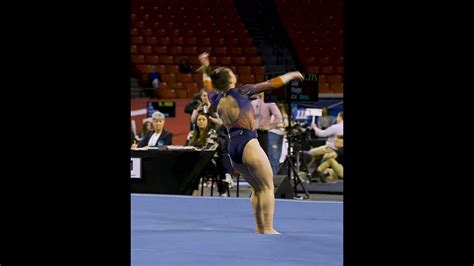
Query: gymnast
point(234, 107)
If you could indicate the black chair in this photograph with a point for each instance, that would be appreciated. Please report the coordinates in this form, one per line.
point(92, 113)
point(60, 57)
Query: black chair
point(211, 174)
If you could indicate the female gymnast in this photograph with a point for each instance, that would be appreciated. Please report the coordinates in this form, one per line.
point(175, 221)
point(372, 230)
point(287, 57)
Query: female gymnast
point(235, 109)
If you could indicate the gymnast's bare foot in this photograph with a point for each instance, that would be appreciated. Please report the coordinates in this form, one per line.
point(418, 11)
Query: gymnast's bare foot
point(272, 232)
point(268, 232)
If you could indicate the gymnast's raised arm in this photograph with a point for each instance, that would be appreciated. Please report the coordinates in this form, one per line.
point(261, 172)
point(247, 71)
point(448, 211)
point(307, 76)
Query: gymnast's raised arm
point(279, 81)
point(206, 80)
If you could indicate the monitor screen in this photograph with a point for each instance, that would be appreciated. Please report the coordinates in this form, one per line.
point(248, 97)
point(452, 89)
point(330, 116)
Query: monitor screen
point(306, 90)
point(168, 108)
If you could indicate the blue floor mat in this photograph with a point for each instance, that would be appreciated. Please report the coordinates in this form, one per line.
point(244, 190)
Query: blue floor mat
point(185, 230)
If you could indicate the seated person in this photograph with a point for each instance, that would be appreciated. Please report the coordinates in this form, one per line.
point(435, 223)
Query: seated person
point(184, 66)
point(331, 132)
point(147, 127)
point(133, 139)
point(332, 164)
point(158, 136)
point(155, 79)
point(203, 136)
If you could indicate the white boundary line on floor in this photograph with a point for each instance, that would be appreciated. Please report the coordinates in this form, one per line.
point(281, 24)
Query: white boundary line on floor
point(229, 198)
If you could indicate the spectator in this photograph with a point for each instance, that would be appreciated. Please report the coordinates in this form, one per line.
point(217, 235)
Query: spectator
point(184, 66)
point(326, 120)
point(155, 79)
point(332, 162)
point(146, 127)
point(331, 132)
point(269, 121)
point(158, 136)
point(203, 136)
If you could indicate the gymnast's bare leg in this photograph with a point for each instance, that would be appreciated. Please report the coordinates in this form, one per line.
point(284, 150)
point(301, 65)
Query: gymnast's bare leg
point(257, 170)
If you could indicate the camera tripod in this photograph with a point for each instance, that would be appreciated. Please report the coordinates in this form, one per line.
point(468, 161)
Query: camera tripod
point(293, 162)
point(292, 159)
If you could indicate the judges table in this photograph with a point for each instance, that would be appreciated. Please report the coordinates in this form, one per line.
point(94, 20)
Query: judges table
point(167, 171)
